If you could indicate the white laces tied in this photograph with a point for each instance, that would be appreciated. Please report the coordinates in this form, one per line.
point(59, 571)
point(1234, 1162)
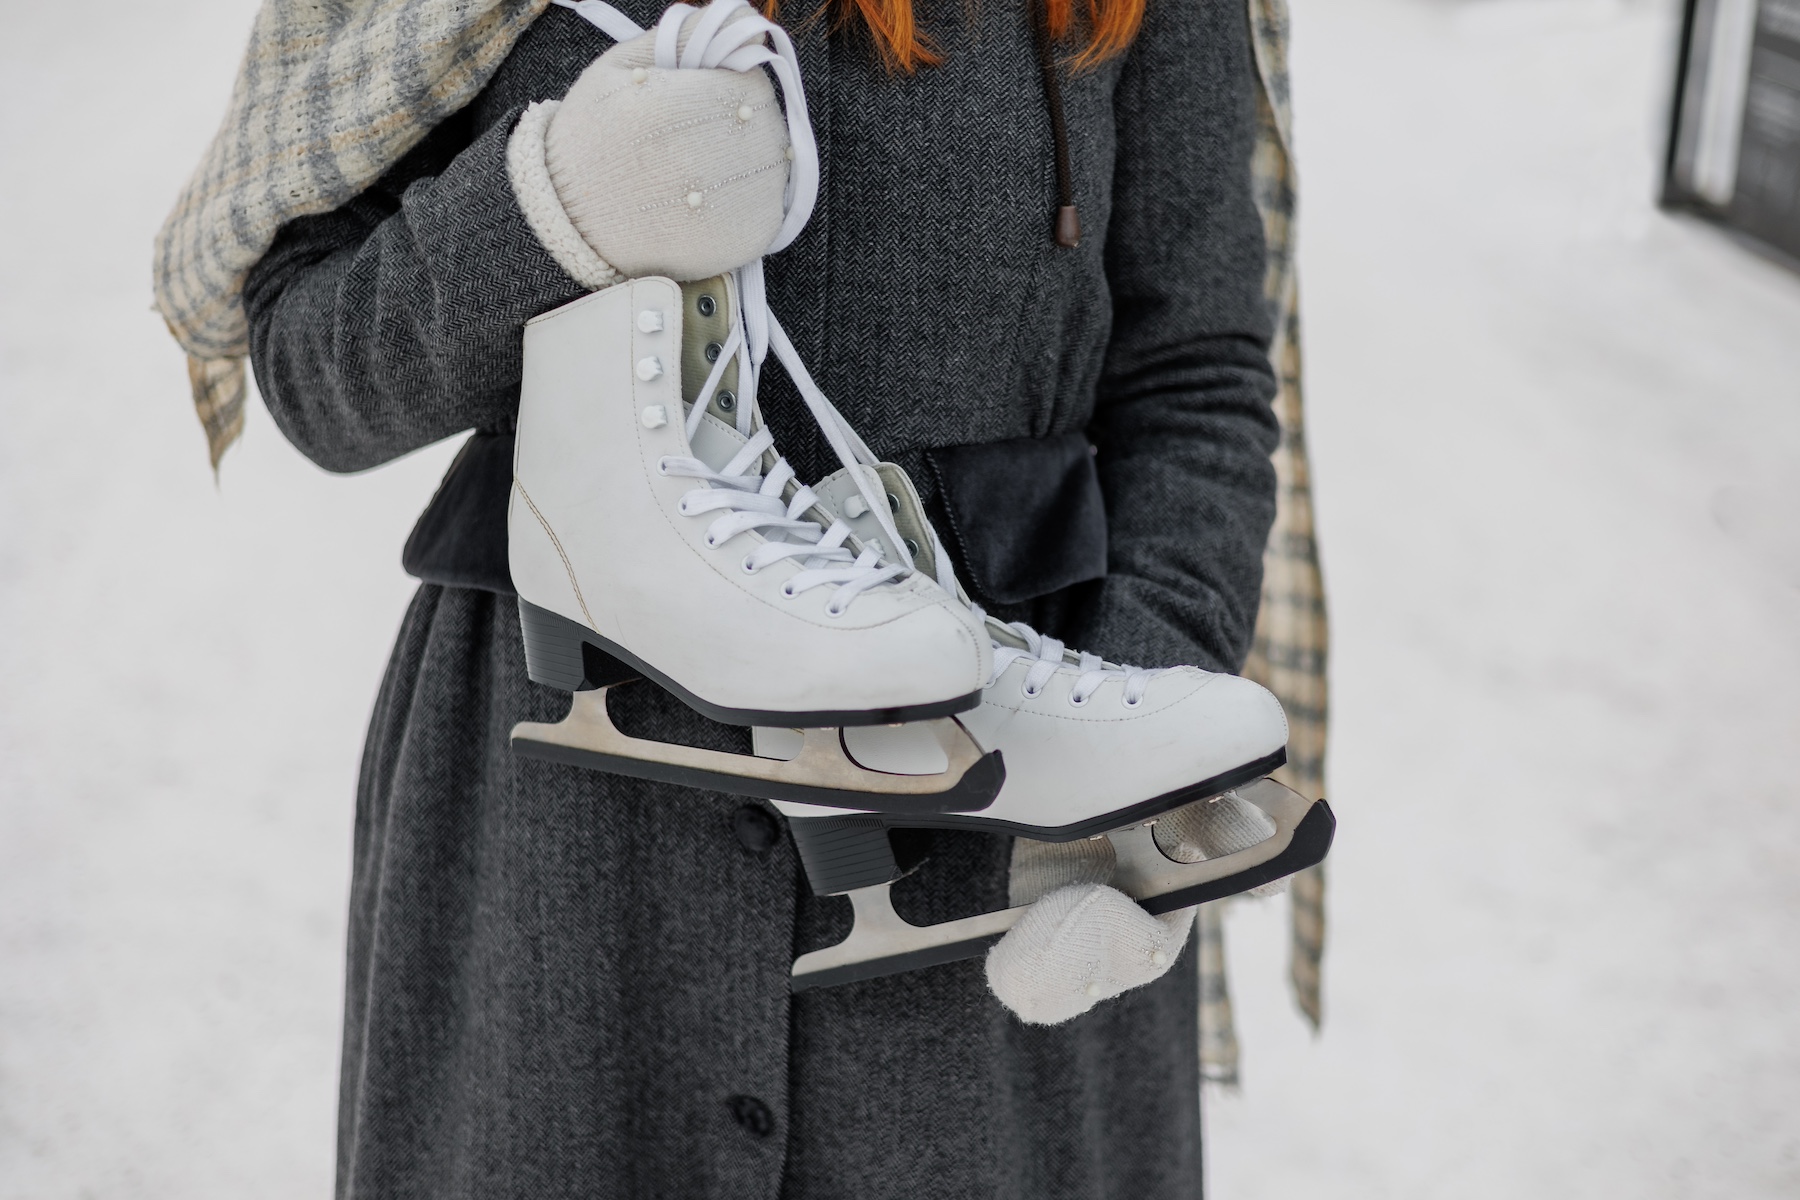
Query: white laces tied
point(744, 45)
point(1048, 655)
point(748, 499)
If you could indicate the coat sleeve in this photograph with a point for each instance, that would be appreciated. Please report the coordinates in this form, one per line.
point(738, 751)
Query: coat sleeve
point(1183, 424)
point(397, 320)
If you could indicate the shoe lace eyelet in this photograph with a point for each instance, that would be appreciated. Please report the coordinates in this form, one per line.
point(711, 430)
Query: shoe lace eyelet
point(748, 565)
point(1130, 703)
point(832, 610)
point(787, 590)
point(711, 542)
point(662, 466)
point(1077, 700)
point(1031, 693)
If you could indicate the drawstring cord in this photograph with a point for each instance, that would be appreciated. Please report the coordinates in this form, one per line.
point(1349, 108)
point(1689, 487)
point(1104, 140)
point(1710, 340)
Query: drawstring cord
point(1067, 229)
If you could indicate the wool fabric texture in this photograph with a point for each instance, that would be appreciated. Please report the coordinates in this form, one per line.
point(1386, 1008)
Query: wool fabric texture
point(327, 98)
point(543, 208)
point(1077, 946)
point(668, 172)
point(1039, 868)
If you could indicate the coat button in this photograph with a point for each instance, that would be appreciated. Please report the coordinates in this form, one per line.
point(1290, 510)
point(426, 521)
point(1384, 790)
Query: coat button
point(756, 828)
point(752, 1114)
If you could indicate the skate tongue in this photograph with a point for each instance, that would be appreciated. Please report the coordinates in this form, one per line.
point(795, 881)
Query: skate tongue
point(842, 499)
point(719, 446)
point(718, 437)
point(1030, 643)
point(1002, 634)
point(716, 443)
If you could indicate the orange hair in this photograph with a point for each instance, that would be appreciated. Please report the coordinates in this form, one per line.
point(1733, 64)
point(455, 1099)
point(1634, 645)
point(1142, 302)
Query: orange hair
point(1111, 26)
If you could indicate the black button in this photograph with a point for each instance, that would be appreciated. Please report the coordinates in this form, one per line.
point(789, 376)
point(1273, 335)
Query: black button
point(752, 1114)
point(756, 828)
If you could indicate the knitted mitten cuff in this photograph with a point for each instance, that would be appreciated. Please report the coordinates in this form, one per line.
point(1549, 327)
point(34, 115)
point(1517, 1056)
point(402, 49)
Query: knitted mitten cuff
point(543, 211)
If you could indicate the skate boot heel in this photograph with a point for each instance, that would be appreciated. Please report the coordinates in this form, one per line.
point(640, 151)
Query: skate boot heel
point(842, 854)
point(560, 653)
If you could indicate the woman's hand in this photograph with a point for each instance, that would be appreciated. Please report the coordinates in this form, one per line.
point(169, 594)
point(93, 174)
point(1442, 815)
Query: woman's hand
point(677, 172)
point(1079, 945)
point(1082, 941)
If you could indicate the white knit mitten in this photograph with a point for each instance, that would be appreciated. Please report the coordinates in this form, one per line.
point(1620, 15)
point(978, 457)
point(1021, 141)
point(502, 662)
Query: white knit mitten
point(1214, 828)
point(1080, 941)
point(643, 170)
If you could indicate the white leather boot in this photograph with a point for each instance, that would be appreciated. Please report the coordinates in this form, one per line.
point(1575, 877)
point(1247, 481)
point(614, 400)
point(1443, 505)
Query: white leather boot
point(655, 533)
point(697, 562)
point(1092, 749)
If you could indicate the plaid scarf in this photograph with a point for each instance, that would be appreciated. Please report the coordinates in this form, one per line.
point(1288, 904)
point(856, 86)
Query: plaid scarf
point(1288, 656)
point(328, 97)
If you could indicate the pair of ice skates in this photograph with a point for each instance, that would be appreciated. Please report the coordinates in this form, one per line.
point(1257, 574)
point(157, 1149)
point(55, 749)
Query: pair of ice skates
point(656, 533)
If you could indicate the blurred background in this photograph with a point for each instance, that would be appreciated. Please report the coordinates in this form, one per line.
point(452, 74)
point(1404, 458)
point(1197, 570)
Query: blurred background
point(1556, 442)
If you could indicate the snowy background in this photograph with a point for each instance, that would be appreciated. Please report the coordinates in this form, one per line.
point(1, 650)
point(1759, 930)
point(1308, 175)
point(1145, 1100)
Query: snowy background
point(1557, 441)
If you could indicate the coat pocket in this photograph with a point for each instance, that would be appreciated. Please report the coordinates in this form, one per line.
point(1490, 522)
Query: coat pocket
point(1026, 516)
point(460, 538)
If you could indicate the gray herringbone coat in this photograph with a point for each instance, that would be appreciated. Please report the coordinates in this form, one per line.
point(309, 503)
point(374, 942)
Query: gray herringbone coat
point(566, 984)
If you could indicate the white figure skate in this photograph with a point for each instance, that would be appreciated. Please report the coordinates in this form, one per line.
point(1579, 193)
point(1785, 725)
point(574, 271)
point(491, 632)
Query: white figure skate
point(654, 537)
point(656, 533)
point(1092, 749)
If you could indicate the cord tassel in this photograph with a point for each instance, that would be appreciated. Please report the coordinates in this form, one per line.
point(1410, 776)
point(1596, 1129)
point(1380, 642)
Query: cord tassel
point(1067, 227)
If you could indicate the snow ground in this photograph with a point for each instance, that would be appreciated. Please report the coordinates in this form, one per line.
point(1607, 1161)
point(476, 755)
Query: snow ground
point(1556, 440)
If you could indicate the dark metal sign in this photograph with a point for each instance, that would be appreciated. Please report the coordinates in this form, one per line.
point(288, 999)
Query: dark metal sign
point(1734, 142)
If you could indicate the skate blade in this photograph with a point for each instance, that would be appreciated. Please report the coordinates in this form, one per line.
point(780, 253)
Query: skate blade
point(883, 943)
point(1302, 837)
point(823, 773)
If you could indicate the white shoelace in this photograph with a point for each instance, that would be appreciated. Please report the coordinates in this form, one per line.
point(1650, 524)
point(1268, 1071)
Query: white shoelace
point(752, 500)
point(1048, 655)
point(747, 499)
